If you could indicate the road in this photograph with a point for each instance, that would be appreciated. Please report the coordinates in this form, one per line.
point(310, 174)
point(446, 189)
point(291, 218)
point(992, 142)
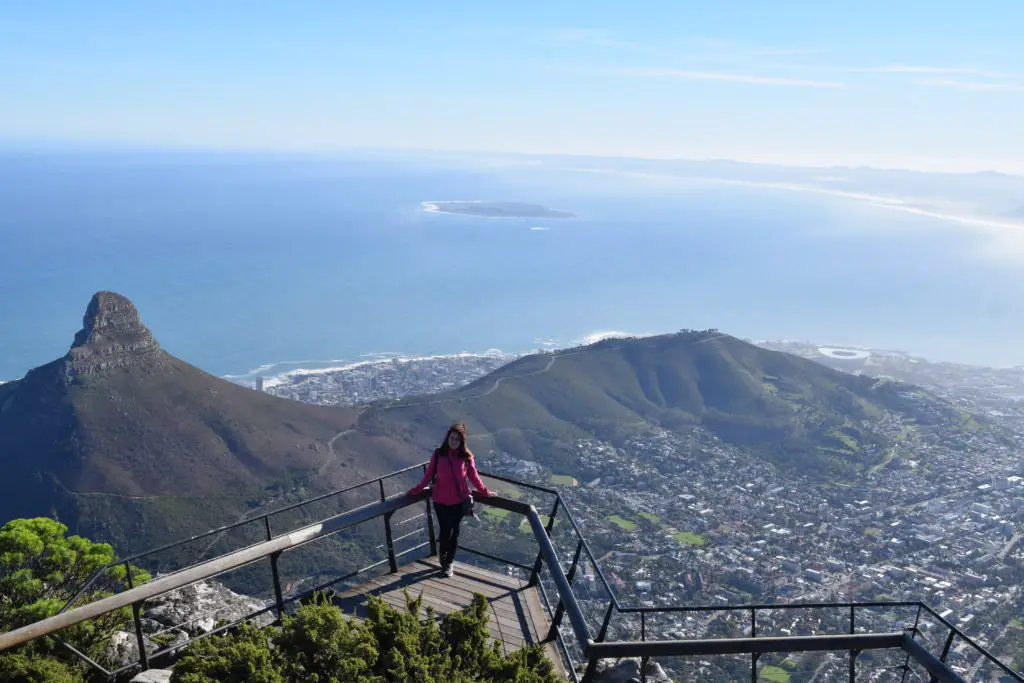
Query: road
point(331, 455)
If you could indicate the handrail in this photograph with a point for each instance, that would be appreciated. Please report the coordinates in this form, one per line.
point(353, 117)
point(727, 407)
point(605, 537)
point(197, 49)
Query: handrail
point(770, 606)
point(572, 608)
point(229, 527)
point(732, 646)
point(273, 547)
point(932, 664)
point(206, 570)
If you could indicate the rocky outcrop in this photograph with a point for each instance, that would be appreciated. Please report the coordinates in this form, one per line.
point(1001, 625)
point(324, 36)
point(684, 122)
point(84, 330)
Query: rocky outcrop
point(112, 336)
point(628, 671)
point(172, 619)
point(153, 676)
point(198, 608)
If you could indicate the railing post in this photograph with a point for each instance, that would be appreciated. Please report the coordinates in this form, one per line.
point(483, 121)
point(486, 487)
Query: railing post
point(137, 617)
point(430, 525)
point(535, 574)
point(392, 561)
point(560, 609)
point(945, 651)
point(591, 671)
point(754, 656)
point(603, 633)
point(913, 634)
point(643, 637)
point(853, 653)
point(278, 597)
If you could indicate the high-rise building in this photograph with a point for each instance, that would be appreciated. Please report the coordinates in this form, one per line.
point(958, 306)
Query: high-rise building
point(259, 384)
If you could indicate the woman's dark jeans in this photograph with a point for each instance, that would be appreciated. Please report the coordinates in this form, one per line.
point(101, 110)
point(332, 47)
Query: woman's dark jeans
point(448, 518)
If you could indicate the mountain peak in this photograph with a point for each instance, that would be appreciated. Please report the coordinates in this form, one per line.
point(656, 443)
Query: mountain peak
point(112, 336)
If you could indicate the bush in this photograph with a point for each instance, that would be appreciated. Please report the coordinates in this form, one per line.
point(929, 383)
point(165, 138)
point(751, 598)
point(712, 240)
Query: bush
point(320, 644)
point(240, 657)
point(33, 668)
point(40, 570)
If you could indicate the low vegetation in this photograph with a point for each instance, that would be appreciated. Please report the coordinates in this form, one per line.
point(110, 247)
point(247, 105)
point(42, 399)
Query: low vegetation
point(41, 567)
point(773, 673)
point(623, 523)
point(689, 537)
point(321, 644)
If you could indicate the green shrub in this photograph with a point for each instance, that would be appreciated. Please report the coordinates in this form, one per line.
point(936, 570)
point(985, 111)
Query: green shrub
point(35, 668)
point(321, 645)
point(240, 657)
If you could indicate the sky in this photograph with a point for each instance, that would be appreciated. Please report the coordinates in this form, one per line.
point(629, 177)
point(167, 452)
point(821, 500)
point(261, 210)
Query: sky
point(935, 85)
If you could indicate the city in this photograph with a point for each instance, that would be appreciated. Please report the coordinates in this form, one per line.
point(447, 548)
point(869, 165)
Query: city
point(686, 519)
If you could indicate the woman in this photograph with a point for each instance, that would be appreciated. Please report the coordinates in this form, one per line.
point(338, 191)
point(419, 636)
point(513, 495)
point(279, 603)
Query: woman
point(451, 464)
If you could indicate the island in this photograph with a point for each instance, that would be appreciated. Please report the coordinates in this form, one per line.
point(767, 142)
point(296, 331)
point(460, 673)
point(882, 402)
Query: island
point(495, 209)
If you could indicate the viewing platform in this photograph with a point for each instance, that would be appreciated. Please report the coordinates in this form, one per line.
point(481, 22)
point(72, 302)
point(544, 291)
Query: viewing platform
point(553, 592)
point(517, 617)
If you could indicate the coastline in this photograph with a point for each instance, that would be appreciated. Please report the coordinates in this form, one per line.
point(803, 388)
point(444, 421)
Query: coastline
point(273, 379)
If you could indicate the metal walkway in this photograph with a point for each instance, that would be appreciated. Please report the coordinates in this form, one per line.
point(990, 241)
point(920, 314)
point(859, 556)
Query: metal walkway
point(924, 642)
point(517, 617)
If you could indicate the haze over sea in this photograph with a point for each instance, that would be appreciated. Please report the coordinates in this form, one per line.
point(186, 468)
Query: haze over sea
point(238, 261)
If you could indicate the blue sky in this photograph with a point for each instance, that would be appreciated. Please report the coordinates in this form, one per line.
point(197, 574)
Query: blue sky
point(933, 85)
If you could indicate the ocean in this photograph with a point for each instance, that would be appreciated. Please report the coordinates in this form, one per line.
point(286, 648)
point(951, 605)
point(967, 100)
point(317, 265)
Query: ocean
point(245, 264)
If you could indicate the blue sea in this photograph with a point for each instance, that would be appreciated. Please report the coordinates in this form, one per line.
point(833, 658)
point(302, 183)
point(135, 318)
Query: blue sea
point(244, 263)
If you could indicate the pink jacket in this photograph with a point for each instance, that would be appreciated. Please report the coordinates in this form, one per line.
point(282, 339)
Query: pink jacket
point(449, 490)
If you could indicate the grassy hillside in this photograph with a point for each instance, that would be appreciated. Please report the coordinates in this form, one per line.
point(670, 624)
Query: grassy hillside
point(795, 411)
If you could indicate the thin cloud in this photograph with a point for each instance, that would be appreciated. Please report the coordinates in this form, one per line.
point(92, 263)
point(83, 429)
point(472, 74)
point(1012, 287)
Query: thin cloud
point(587, 36)
point(782, 52)
point(975, 86)
point(748, 79)
point(906, 68)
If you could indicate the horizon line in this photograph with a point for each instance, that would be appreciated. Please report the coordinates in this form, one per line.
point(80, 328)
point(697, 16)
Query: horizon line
point(114, 146)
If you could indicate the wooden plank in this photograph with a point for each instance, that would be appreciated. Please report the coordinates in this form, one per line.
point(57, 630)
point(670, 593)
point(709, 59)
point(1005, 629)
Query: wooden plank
point(464, 596)
point(443, 604)
point(500, 580)
point(508, 642)
point(516, 616)
point(466, 583)
point(503, 632)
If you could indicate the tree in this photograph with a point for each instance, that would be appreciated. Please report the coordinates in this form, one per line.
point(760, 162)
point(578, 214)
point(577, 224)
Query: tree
point(322, 645)
point(41, 569)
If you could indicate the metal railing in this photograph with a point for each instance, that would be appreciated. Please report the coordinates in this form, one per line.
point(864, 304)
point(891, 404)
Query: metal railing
point(591, 648)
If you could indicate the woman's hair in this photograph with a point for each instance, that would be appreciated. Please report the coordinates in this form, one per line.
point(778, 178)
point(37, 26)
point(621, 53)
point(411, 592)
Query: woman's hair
point(464, 451)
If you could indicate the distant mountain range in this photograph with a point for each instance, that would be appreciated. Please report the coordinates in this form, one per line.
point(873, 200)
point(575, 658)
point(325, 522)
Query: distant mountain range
point(129, 444)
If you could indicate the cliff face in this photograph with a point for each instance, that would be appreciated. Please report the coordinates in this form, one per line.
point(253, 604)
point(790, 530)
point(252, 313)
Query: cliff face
point(112, 336)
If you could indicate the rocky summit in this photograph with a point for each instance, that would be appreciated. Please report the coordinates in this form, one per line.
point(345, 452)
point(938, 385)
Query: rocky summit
point(112, 336)
point(128, 444)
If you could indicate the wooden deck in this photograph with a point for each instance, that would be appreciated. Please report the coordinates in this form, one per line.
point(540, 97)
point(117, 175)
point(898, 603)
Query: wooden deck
point(517, 617)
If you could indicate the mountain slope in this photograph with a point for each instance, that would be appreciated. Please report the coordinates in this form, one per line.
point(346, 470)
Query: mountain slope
point(788, 408)
point(118, 425)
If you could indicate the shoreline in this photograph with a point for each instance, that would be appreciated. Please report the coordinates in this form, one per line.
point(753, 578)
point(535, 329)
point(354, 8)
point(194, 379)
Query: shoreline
point(272, 379)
